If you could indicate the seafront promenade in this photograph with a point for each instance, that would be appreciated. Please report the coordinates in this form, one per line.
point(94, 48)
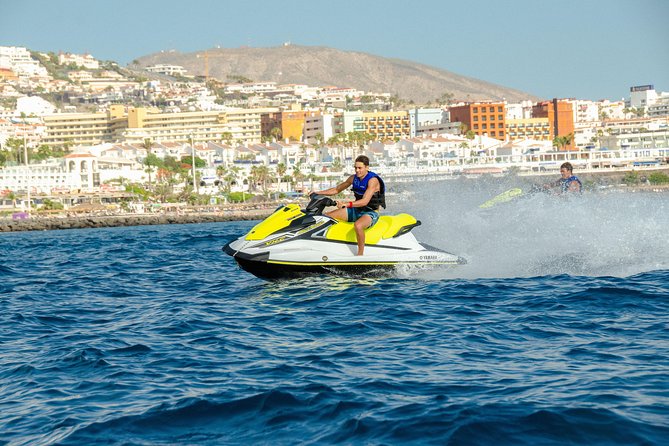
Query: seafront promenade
point(44, 223)
point(98, 216)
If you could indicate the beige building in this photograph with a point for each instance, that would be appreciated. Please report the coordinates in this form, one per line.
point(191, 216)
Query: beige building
point(84, 128)
point(528, 128)
point(140, 123)
point(203, 126)
point(387, 125)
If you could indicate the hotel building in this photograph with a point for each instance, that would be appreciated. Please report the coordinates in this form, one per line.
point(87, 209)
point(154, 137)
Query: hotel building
point(529, 128)
point(84, 128)
point(141, 123)
point(387, 125)
point(483, 118)
point(560, 118)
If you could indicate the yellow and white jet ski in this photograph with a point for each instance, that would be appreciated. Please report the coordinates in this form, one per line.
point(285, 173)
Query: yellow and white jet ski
point(294, 242)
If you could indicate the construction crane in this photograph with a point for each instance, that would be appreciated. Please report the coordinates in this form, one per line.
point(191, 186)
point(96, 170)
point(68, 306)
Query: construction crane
point(206, 57)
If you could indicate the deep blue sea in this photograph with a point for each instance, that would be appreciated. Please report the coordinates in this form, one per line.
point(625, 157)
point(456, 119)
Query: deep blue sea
point(555, 332)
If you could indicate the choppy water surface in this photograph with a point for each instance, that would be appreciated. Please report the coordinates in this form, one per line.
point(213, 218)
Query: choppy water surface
point(555, 332)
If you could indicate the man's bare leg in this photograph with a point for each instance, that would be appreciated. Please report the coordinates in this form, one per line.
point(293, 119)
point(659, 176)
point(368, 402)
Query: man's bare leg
point(338, 214)
point(360, 225)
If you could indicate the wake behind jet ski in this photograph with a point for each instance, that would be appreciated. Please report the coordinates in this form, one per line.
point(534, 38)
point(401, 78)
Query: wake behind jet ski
point(294, 242)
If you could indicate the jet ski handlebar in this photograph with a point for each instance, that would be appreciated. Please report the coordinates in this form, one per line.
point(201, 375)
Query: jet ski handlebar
point(317, 203)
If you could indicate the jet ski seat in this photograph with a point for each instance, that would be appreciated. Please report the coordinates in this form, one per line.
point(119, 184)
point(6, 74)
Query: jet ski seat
point(388, 226)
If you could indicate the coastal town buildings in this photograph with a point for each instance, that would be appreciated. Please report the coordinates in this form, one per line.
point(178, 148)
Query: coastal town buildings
point(109, 120)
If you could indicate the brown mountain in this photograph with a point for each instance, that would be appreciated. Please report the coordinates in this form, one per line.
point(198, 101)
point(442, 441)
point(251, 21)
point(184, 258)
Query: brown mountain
point(321, 66)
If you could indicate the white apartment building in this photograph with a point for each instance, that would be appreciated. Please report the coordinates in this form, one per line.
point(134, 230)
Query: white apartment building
point(649, 139)
point(316, 123)
point(641, 96)
point(586, 134)
point(18, 60)
point(170, 70)
point(585, 111)
point(251, 88)
point(521, 110)
point(76, 172)
point(80, 76)
point(34, 106)
point(660, 107)
point(612, 110)
point(81, 60)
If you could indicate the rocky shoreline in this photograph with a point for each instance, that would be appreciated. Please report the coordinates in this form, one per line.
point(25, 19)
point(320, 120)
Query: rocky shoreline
point(105, 221)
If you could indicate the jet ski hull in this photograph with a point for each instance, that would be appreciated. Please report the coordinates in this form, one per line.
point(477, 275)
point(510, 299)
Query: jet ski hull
point(276, 271)
point(339, 259)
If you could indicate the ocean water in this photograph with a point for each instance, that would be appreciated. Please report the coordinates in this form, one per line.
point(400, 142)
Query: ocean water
point(555, 332)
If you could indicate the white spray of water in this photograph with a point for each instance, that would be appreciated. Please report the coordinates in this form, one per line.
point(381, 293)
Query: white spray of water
point(596, 234)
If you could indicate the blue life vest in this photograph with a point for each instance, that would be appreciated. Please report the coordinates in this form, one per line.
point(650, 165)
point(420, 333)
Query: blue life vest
point(360, 187)
point(566, 182)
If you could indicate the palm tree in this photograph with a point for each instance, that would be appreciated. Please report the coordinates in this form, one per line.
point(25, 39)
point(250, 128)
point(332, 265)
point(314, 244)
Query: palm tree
point(337, 166)
point(230, 178)
point(12, 196)
point(280, 172)
point(148, 160)
point(275, 133)
point(227, 138)
point(560, 142)
point(263, 175)
point(303, 153)
point(297, 174)
point(14, 152)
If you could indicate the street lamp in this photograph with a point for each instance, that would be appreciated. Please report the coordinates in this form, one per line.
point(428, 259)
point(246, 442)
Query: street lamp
point(192, 152)
point(25, 158)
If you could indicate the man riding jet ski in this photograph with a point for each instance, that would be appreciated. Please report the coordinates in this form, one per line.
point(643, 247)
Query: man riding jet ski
point(294, 242)
point(370, 194)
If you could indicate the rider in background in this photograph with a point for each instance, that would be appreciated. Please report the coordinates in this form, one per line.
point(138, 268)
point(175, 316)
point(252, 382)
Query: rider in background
point(568, 182)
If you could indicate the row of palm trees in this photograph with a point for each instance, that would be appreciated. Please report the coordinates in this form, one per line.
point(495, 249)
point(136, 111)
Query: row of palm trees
point(262, 178)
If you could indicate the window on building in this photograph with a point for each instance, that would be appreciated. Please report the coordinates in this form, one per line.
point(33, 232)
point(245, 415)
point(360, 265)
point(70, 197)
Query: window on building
point(500, 117)
point(499, 109)
point(492, 133)
point(484, 127)
point(501, 133)
point(476, 126)
point(492, 117)
point(483, 118)
point(476, 118)
point(492, 125)
point(476, 109)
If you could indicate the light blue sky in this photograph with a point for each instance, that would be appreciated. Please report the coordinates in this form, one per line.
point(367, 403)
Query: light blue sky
point(589, 49)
